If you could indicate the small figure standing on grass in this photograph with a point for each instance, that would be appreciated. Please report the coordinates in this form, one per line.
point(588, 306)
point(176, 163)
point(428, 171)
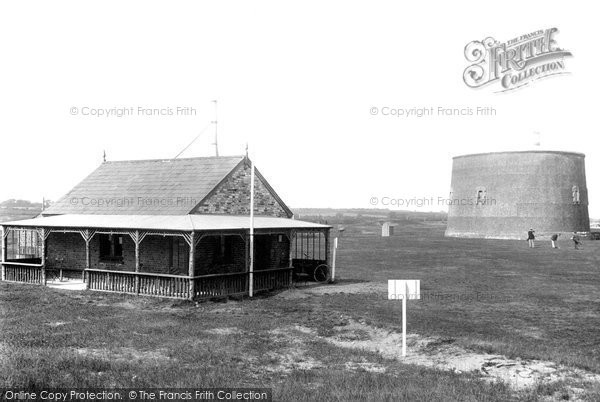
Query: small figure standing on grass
point(531, 238)
point(554, 239)
point(576, 240)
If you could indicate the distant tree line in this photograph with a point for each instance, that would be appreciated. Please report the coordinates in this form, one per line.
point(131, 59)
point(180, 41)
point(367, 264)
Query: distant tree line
point(14, 203)
point(348, 216)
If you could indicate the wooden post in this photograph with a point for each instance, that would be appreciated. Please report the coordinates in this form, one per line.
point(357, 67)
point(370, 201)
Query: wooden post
point(327, 246)
point(42, 234)
point(291, 257)
point(404, 322)
point(4, 234)
point(87, 262)
point(247, 264)
point(191, 272)
point(137, 261)
point(251, 274)
point(335, 245)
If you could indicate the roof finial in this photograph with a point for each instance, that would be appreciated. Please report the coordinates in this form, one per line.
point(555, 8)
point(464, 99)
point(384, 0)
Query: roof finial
point(246, 150)
point(104, 156)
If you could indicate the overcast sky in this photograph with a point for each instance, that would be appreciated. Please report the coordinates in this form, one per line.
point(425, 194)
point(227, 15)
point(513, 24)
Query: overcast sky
point(297, 81)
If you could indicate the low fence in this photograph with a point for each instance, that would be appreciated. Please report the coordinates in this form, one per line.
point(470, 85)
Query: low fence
point(160, 285)
point(217, 285)
point(23, 272)
point(32, 272)
point(271, 279)
point(178, 287)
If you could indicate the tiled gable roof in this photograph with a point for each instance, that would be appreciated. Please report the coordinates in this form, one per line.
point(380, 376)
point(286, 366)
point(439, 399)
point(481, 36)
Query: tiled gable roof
point(146, 187)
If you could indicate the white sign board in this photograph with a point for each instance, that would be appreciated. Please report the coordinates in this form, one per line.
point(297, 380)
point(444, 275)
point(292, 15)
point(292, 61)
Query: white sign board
point(404, 289)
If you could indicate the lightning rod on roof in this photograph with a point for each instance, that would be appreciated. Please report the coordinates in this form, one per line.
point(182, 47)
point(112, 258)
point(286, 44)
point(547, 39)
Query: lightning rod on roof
point(104, 156)
point(215, 123)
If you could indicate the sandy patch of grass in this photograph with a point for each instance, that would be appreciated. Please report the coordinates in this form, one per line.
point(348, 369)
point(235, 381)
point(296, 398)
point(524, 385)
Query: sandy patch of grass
point(365, 366)
point(57, 323)
point(225, 331)
point(338, 287)
point(444, 354)
point(123, 354)
point(289, 350)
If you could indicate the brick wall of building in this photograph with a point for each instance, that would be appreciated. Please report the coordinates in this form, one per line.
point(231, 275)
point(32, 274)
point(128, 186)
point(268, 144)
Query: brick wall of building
point(128, 255)
point(65, 251)
point(233, 198)
point(210, 261)
point(281, 251)
point(166, 255)
point(271, 251)
point(169, 254)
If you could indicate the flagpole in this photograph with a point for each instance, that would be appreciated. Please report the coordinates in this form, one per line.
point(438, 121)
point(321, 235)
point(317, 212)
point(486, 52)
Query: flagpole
point(251, 275)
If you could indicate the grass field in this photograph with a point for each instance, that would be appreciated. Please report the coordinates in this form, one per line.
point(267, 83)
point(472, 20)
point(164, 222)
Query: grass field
point(537, 308)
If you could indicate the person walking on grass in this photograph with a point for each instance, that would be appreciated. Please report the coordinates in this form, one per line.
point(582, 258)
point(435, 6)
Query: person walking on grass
point(554, 240)
point(531, 238)
point(576, 241)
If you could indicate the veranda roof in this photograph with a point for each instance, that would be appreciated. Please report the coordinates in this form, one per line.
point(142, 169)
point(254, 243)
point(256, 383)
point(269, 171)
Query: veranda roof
point(185, 223)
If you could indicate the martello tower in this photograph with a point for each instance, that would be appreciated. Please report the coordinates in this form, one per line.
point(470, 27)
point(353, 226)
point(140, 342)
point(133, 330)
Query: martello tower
point(503, 194)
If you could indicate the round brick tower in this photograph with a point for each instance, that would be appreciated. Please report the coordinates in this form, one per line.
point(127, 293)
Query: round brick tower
point(502, 195)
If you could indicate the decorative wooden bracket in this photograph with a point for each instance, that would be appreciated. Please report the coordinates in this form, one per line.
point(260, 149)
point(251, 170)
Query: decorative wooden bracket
point(87, 234)
point(290, 235)
point(138, 236)
point(188, 238)
point(197, 240)
point(44, 233)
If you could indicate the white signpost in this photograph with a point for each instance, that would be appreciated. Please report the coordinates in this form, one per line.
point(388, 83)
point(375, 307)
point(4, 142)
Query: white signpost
point(405, 290)
point(335, 245)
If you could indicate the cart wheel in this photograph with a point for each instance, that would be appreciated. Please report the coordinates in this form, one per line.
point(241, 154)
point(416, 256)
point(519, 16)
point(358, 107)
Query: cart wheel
point(321, 273)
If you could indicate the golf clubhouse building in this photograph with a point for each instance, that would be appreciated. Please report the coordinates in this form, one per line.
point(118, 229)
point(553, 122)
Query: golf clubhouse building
point(178, 228)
